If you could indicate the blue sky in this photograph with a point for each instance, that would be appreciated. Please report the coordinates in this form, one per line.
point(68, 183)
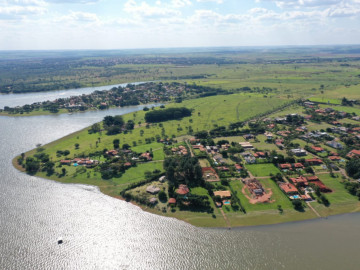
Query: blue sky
point(121, 24)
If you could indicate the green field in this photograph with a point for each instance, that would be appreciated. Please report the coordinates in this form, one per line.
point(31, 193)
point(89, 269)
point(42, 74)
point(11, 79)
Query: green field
point(355, 109)
point(262, 170)
point(337, 94)
point(339, 194)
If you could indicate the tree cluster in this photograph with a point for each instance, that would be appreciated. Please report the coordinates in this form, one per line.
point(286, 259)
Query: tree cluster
point(167, 114)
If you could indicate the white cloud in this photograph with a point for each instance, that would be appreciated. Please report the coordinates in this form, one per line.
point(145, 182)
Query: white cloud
point(72, 1)
point(78, 16)
point(147, 11)
point(215, 1)
point(180, 3)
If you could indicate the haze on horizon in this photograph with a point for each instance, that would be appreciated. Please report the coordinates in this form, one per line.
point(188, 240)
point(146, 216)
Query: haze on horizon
point(114, 24)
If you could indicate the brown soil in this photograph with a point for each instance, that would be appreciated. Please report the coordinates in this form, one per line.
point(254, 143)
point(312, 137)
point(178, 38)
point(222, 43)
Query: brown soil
point(266, 198)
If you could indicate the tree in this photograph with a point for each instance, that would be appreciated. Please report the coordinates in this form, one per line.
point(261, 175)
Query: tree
point(353, 168)
point(125, 146)
point(116, 143)
point(298, 205)
point(32, 165)
point(130, 125)
point(77, 145)
point(162, 196)
point(95, 128)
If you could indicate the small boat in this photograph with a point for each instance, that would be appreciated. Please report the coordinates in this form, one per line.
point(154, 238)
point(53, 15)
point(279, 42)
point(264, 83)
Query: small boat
point(59, 241)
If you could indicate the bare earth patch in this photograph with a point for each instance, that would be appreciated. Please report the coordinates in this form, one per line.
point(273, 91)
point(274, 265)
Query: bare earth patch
point(266, 198)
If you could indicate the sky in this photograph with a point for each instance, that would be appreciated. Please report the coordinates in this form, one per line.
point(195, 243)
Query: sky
point(117, 24)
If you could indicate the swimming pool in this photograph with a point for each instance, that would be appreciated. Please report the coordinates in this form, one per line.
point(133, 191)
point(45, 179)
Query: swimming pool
point(296, 197)
point(227, 203)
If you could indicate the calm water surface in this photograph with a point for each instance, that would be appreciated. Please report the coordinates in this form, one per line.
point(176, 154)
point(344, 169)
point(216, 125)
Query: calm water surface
point(13, 100)
point(100, 232)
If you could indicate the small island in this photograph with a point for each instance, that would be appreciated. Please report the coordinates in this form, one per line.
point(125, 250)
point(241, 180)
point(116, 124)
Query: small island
point(216, 159)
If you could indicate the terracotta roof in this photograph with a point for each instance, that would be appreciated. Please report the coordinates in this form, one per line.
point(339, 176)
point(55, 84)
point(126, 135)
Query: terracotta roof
point(299, 180)
point(208, 169)
point(312, 178)
point(238, 167)
point(285, 166)
point(182, 190)
point(314, 160)
point(317, 149)
point(298, 165)
point(172, 200)
point(288, 188)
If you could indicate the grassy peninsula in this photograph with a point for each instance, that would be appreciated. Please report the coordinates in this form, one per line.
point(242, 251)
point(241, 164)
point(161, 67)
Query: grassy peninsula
point(224, 160)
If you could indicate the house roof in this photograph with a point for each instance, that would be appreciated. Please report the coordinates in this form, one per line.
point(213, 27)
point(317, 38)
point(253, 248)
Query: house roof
point(238, 167)
point(223, 193)
point(317, 149)
point(312, 178)
point(314, 160)
point(299, 180)
point(288, 188)
point(298, 165)
point(285, 166)
point(208, 169)
point(355, 152)
point(152, 189)
point(182, 190)
point(172, 200)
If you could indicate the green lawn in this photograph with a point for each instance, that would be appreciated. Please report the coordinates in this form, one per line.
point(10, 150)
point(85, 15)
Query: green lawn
point(261, 170)
point(135, 174)
point(263, 145)
point(325, 100)
point(339, 194)
point(157, 149)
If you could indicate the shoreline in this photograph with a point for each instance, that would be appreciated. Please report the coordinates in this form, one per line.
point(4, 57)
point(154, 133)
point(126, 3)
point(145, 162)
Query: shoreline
point(186, 219)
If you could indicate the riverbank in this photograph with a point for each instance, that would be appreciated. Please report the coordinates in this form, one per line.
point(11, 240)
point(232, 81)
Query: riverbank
point(252, 218)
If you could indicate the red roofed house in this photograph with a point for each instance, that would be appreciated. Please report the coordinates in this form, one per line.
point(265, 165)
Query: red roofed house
point(285, 166)
point(353, 153)
point(301, 180)
point(112, 152)
point(172, 201)
point(298, 166)
point(146, 155)
point(238, 167)
point(314, 161)
point(316, 181)
point(313, 178)
point(182, 190)
point(317, 149)
point(335, 158)
point(260, 154)
point(288, 188)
